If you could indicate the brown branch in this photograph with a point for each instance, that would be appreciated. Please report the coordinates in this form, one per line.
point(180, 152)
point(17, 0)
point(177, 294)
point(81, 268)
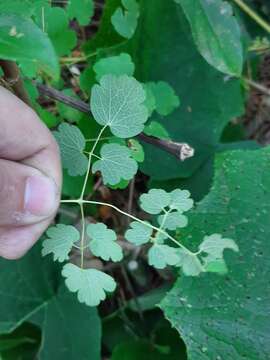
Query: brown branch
point(14, 81)
point(181, 151)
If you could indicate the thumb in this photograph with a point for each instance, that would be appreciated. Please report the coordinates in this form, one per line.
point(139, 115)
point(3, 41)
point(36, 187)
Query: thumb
point(26, 195)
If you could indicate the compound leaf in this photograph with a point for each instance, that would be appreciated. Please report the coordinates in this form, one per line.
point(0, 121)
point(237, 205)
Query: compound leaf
point(82, 10)
point(160, 256)
point(116, 65)
point(139, 233)
point(103, 242)
point(125, 22)
point(166, 101)
point(118, 103)
point(115, 164)
point(90, 284)
point(154, 201)
point(72, 143)
point(216, 33)
point(60, 240)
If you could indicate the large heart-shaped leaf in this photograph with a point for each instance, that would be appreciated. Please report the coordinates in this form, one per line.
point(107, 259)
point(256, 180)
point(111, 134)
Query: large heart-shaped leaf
point(227, 317)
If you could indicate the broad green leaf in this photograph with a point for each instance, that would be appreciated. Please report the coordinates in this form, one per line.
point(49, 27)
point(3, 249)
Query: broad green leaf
point(72, 143)
point(118, 103)
point(103, 242)
point(180, 200)
point(22, 40)
point(136, 150)
point(60, 240)
point(82, 10)
point(115, 65)
point(166, 101)
point(24, 8)
point(218, 323)
point(139, 233)
point(90, 284)
point(54, 22)
point(172, 220)
point(216, 33)
point(125, 21)
point(160, 256)
point(35, 291)
point(155, 201)
point(157, 130)
point(115, 164)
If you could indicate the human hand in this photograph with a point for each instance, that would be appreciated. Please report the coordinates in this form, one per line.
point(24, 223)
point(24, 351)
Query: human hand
point(30, 176)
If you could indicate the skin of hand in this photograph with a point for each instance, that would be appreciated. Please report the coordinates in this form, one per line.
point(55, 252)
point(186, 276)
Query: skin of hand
point(30, 177)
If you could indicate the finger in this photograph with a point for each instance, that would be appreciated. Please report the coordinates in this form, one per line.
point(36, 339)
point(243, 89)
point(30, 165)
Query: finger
point(15, 242)
point(24, 138)
point(27, 196)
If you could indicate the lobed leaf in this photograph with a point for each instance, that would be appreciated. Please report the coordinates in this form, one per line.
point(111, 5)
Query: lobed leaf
point(118, 103)
point(139, 233)
point(160, 256)
point(72, 143)
point(115, 164)
point(154, 201)
point(115, 65)
point(60, 240)
point(103, 242)
point(82, 10)
point(91, 285)
point(172, 220)
point(166, 101)
point(125, 21)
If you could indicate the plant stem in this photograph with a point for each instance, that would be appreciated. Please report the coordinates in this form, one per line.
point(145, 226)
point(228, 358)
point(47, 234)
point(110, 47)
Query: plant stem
point(260, 21)
point(83, 235)
point(81, 201)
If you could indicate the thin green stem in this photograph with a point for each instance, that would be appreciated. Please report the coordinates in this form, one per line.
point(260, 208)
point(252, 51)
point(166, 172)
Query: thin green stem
point(102, 138)
point(81, 201)
point(89, 162)
point(83, 235)
point(260, 21)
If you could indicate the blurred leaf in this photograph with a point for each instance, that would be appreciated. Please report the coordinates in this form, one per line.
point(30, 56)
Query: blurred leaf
point(216, 33)
point(67, 112)
point(82, 10)
point(166, 101)
point(125, 18)
point(22, 40)
point(157, 130)
point(116, 65)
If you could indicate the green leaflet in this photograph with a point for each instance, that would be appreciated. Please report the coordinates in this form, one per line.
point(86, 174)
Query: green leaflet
point(172, 220)
point(217, 323)
point(72, 143)
point(60, 242)
point(115, 65)
point(216, 33)
point(54, 22)
point(118, 103)
point(138, 234)
point(115, 164)
point(160, 256)
point(166, 101)
point(82, 10)
point(154, 201)
point(90, 284)
point(103, 242)
point(125, 21)
point(21, 40)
